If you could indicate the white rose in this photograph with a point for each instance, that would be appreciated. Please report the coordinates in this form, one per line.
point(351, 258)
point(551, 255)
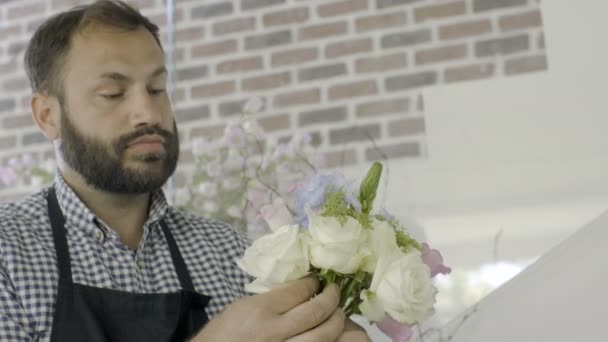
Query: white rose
point(335, 246)
point(404, 287)
point(382, 242)
point(371, 307)
point(275, 259)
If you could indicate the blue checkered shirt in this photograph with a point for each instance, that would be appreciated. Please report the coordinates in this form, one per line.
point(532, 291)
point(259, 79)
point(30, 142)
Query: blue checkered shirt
point(28, 264)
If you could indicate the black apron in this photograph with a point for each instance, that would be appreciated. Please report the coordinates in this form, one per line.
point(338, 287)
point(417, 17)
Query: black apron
point(91, 314)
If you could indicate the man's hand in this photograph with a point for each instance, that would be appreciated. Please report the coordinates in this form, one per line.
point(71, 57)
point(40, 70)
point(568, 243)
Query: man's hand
point(285, 314)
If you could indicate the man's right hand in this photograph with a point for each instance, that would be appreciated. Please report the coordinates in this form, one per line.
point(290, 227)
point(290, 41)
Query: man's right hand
point(284, 314)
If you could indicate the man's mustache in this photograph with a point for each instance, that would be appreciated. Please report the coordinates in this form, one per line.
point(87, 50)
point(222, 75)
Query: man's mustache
point(124, 141)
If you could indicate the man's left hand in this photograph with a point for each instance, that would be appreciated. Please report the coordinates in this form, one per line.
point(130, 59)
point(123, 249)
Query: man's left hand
point(353, 333)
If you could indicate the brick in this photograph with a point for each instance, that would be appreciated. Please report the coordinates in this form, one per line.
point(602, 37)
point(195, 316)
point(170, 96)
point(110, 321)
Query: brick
point(233, 26)
point(346, 135)
point(380, 21)
point(179, 95)
point(255, 4)
point(231, 108)
point(441, 10)
point(62, 4)
point(502, 46)
point(540, 42)
point(215, 48)
point(520, 21)
point(325, 115)
point(380, 4)
point(8, 32)
point(420, 102)
point(406, 38)
point(345, 48)
point(275, 122)
point(286, 17)
point(33, 25)
point(26, 10)
point(469, 72)
point(322, 31)
point(192, 73)
point(213, 89)
point(33, 138)
point(322, 72)
point(411, 81)
point(185, 157)
point(352, 89)
point(294, 56)
point(440, 54)
point(8, 68)
point(400, 150)
point(488, 5)
point(381, 63)
point(264, 82)
point(213, 10)
point(267, 40)
point(16, 84)
point(16, 48)
point(383, 107)
point(8, 142)
point(240, 65)
point(406, 127)
point(343, 157)
point(7, 104)
point(341, 7)
point(192, 113)
point(525, 64)
point(315, 138)
point(297, 97)
point(189, 34)
point(465, 29)
point(211, 132)
point(17, 121)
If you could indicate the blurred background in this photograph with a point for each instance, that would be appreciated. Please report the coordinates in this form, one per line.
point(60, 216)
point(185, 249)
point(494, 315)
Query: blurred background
point(487, 113)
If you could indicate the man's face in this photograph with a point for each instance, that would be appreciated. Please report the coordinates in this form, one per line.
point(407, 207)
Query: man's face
point(117, 130)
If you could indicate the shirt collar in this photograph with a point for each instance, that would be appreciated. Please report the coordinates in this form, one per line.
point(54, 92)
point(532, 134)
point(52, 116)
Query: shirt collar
point(79, 215)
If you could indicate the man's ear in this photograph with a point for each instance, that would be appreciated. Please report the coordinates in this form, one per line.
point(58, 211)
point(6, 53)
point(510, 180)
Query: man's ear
point(46, 114)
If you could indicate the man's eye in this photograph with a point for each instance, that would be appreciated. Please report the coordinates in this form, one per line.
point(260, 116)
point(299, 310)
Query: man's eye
point(157, 91)
point(112, 96)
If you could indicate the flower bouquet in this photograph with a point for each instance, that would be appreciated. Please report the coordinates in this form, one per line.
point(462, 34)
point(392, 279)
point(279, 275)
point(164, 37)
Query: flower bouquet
point(336, 235)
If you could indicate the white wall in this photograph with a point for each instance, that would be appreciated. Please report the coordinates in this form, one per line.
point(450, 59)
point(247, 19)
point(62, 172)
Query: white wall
point(527, 155)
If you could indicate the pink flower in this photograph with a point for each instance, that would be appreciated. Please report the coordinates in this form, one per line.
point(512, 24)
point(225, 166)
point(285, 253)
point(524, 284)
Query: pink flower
point(433, 259)
point(253, 105)
point(398, 332)
point(276, 214)
point(27, 160)
point(8, 176)
point(235, 135)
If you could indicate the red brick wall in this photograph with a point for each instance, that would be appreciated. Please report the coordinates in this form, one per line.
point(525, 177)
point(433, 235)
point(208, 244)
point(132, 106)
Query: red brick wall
point(343, 70)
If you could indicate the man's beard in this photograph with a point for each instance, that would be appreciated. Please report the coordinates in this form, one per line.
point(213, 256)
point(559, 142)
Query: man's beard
point(101, 164)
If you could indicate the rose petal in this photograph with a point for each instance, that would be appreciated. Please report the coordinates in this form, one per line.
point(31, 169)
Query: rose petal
point(398, 332)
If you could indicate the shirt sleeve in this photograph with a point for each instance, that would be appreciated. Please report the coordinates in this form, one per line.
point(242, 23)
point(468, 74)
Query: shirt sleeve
point(15, 325)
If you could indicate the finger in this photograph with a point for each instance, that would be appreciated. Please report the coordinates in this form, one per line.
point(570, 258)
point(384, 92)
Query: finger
point(328, 331)
point(289, 296)
point(353, 333)
point(312, 313)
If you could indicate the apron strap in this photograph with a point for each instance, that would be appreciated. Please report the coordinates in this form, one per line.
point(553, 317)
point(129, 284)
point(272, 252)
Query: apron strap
point(59, 238)
point(178, 261)
point(63, 257)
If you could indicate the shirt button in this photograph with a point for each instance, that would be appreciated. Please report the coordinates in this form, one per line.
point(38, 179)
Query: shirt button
point(99, 236)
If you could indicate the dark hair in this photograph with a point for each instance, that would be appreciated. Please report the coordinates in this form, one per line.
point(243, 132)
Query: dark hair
point(46, 51)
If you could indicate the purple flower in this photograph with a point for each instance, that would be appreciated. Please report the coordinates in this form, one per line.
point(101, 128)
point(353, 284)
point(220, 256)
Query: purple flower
point(398, 332)
point(433, 259)
point(312, 195)
point(8, 176)
point(235, 136)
